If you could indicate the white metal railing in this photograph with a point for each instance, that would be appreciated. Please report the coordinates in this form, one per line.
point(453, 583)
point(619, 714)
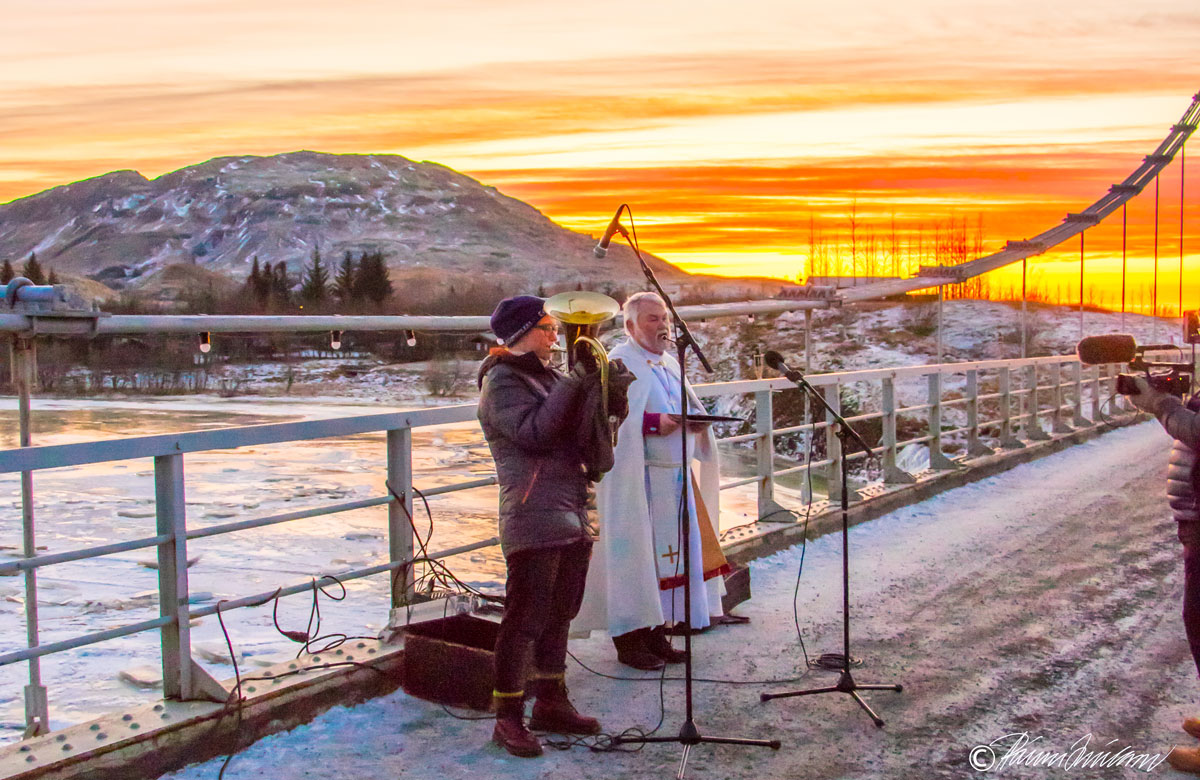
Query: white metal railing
point(1020, 395)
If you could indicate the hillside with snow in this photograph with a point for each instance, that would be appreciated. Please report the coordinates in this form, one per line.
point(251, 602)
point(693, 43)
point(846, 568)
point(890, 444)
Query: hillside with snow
point(435, 227)
point(856, 337)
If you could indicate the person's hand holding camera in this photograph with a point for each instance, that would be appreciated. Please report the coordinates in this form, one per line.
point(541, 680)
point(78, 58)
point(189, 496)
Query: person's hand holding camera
point(1147, 398)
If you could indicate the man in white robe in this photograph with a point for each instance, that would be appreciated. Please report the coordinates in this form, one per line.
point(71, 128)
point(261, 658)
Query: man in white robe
point(635, 582)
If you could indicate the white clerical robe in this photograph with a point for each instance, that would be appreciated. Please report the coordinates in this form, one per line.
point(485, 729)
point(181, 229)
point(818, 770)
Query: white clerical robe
point(636, 574)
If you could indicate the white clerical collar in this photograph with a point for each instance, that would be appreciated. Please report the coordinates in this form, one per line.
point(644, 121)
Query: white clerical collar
point(650, 357)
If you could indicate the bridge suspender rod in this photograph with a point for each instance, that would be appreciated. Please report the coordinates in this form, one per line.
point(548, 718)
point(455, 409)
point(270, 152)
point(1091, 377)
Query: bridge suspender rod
point(1154, 289)
point(1024, 329)
point(1124, 256)
point(1182, 171)
point(1081, 235)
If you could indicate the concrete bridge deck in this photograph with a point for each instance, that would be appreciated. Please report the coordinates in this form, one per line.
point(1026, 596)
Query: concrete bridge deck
point(1043, 600)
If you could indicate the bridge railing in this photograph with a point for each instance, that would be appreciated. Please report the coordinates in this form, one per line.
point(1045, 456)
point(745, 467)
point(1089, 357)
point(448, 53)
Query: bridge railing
point(999, 402)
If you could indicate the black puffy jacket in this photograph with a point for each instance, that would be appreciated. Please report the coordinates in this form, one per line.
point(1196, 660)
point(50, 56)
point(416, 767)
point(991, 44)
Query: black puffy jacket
point(1183, 423)
point(530, 417)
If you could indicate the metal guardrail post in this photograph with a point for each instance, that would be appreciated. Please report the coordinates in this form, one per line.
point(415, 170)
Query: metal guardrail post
point(937, 458)
point(891, 473)
point(1033, 429)
point(1008, 440)
point(1080, 421)
point(171, 518)
point(1120, 402)
point(975, 447)
point(1058, 424)
point(764, 450)
point(24, 371)
point(1097, 384)
point(400, 529)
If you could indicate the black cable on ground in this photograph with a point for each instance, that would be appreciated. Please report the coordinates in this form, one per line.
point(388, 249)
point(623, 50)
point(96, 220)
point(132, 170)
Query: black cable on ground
point(437, 573)
point(1109, 422)
point(235, 695)
point(665, 678)
point(605, 743)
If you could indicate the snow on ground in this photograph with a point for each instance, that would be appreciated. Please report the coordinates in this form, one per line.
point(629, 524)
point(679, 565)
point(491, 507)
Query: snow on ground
point(81, 505)
point(862, 336)
point(1044, 600)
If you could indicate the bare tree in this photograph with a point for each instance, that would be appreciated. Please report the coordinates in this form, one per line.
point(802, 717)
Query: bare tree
point(853, 220)
point(893, 253)
point(812, 245)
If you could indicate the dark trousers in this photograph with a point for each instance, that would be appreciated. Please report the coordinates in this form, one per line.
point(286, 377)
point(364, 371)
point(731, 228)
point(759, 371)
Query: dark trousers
point(1189, 534)
point(543, 595)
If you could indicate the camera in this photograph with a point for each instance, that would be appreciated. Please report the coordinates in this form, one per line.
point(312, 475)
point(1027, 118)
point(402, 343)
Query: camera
point(1175, 383)
point(1122, 348)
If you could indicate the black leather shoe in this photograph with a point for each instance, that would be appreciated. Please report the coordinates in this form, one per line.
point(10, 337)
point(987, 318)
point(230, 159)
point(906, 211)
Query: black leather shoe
point(632, 651)
point(655, 640)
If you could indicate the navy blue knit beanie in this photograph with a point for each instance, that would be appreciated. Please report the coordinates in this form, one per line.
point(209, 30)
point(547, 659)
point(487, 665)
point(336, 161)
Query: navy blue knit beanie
point(514, 316)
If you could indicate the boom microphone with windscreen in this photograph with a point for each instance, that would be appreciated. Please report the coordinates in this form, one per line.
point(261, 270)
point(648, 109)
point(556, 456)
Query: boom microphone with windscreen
point(1098, 350)
point(1113, 348)
point(1123, 348)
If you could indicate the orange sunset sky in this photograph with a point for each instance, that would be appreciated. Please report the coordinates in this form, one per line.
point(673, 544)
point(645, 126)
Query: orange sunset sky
point(729, 127)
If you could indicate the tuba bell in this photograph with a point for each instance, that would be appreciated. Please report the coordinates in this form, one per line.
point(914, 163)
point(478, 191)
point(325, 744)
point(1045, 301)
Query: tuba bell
point(582, 313)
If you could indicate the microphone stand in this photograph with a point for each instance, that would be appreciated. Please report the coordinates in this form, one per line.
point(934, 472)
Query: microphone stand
point(689, 735)
point(845, 683)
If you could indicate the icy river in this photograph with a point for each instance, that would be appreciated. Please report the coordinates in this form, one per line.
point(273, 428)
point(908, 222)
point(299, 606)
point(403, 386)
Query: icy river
point(81, 506)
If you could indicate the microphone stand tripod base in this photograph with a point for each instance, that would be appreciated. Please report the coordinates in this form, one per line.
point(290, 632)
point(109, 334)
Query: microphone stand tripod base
point(846, 685)
point(689, 736)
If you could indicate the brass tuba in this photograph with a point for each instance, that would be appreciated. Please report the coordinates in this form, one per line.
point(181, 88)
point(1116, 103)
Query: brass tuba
point(582, 314)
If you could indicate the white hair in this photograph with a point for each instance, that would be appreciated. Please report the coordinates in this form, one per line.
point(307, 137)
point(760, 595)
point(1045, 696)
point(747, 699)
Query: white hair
point(634, 303)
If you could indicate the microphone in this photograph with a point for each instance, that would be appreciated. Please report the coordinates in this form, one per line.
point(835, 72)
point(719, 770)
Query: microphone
point(775, 361)
point(613, 227)
point(1114, 348)
point(1098, 350)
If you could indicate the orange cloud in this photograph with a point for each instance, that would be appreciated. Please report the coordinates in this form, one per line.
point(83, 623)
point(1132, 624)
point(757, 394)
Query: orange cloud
point(726, 145)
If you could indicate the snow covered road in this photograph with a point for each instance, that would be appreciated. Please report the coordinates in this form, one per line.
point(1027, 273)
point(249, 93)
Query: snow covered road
point(1044, 600)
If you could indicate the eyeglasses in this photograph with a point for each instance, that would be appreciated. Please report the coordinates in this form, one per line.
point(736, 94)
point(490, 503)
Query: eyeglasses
point(547, 328)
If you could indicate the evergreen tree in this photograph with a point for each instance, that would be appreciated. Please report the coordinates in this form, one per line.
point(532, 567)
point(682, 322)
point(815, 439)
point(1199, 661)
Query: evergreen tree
point(6, 272)
point(381, 289)
point(314, 287)
point(362, 277)
point(53, 278)
point(372, 280)
point(264, 282)
point(343, 282)
point(281, 285)
point(259, 282)
point(32, 270)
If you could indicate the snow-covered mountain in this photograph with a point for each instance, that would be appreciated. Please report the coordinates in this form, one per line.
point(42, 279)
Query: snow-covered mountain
point(431, 223)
